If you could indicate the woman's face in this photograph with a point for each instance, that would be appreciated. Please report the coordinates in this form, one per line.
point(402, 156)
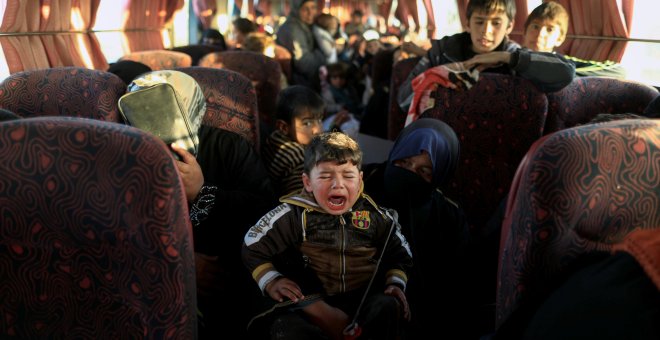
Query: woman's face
point(420, 164)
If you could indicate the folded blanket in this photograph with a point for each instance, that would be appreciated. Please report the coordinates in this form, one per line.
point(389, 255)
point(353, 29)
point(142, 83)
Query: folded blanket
point(424, 84)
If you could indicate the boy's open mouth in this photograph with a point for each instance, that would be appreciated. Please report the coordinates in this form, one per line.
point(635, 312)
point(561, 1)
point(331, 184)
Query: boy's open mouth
point(336, 201)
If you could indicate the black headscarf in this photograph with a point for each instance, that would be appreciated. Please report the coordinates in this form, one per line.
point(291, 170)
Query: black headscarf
point(403, 187)
point(128, 70)
point(435, 137)
point(434, 226)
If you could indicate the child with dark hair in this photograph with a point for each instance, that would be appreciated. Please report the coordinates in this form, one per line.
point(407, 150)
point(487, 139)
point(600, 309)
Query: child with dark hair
point(546, 28)
point(213, 37)
point(241, 28)
point(352, 250)
point(341, 100)
point(298, 117)
point(486, 46)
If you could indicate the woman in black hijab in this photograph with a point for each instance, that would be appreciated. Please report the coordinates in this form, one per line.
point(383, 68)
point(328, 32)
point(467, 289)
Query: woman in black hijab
point(423, 158)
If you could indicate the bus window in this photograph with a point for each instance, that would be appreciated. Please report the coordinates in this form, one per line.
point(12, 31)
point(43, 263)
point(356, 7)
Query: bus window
point(641, 57)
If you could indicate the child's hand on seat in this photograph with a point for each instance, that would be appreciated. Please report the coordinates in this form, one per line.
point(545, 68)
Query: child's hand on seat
point(487, 60)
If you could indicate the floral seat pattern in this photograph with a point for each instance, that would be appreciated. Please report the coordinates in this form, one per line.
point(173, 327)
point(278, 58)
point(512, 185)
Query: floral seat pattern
point(578, 191)
point(231, 101)
point(586, 97)
point(160, 59)
point(63, 91)
point(95, 239)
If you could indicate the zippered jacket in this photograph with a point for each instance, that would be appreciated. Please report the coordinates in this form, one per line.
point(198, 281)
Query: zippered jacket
point(341, 250)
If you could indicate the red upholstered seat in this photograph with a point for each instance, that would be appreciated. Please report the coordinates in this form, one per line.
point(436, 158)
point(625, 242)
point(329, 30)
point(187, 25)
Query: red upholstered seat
point(586, 97)
point(579, 191)
point(264, 72)
point(496, 121)
point(63, 91)
point(160, 59)
point(231, 102)
point(95, 237)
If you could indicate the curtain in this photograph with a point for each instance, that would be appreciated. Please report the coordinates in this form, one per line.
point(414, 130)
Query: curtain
point(60, 48)
point(22, 52)
point(150, 17)
point(519, 24)
point(462, 12)
point(431, 17)
point(205, 11)
point(598, 18)
point(89, 45)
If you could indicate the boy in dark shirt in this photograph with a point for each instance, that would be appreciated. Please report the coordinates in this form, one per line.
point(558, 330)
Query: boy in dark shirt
point(344, 240)
point(485, 45)
point(546, 28)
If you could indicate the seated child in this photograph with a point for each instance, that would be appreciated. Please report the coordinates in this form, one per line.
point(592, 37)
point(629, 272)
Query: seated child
point(342, 241)
point(324, 29)
point(341, 100)
point(546, 28)
point(485, 45)
point(297, 119)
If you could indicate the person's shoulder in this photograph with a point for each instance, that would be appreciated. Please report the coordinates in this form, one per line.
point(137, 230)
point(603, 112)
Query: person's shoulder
point(450, 46)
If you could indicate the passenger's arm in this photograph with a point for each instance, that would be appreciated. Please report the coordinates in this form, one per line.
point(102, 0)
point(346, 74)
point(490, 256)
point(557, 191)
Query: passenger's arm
point(550, 72)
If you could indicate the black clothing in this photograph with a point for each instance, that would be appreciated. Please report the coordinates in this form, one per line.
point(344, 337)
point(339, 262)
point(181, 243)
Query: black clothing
point(243, 195)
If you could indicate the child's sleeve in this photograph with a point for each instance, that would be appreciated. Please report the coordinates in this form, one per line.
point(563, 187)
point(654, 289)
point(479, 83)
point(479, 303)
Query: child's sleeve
point(550, 72)
point(272, 235)
point(397, 260)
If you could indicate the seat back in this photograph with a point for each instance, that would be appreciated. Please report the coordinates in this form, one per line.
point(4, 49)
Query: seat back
point(586, 97)
point(231, 101)
point(495, 134)
point(396, 118)
point(264, 72)
point(160, 59)
point(63, 91)
point(95, 237)
point(578, 192)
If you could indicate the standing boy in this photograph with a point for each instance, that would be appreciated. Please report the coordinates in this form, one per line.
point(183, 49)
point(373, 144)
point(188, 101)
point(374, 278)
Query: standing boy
point(341, 238)
point(546, 28)
point(299, 115)
point(486, 45)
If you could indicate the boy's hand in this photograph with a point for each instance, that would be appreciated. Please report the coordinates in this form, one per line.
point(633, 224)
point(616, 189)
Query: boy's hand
point(412, 48)
point(394, 290)
point(487, 60)
point(281, 288)
point(190, 172)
